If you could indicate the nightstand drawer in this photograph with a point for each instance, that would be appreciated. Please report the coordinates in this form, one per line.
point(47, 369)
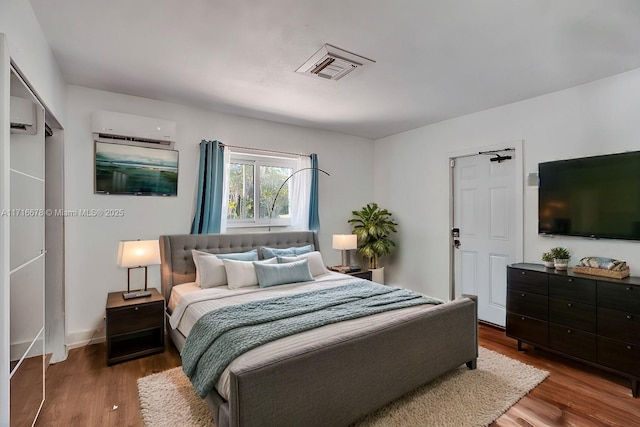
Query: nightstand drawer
point(363, 274)
point(134, 318)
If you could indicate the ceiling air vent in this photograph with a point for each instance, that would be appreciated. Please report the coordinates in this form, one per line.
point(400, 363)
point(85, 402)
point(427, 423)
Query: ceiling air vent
point(332, 63)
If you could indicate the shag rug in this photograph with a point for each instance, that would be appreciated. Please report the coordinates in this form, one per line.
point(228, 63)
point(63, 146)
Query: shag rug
point(459, 398)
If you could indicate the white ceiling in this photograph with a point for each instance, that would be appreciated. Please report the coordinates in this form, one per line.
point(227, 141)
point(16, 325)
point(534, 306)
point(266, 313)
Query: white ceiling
point(435, 59)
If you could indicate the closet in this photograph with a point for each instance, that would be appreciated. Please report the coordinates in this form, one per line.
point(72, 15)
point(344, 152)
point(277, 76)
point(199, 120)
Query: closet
point(26, 215)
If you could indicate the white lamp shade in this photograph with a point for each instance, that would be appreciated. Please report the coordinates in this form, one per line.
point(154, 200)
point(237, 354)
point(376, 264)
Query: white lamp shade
point(138, 253)
point(345, 241)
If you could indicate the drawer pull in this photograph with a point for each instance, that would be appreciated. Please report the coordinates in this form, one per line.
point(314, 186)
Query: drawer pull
point(568, 331)
point(629, 347)
point(628, 288)
point(569, 305)
point(135, 308)
point(523, 273)
point(523, 295)
point(629, 316)
point(522, 318)
point(570, 280)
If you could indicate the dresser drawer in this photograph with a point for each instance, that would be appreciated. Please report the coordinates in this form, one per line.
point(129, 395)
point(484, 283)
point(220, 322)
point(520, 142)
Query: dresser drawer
point(619, 325)
point(572, 314)
point(528, 304)
point(573, 289)
point(135, 318)
point(618, 296)
point(573, 341)
point(618, 355)
point(527, 329)
point(528, 281)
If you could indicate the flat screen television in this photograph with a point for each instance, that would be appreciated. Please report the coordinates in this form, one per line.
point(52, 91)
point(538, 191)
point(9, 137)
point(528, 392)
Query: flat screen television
point(135, 170)
point(596, 197)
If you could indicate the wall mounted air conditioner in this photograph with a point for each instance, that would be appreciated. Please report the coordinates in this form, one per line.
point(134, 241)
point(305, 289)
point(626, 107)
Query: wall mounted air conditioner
point(23, 116)
point(109, 126)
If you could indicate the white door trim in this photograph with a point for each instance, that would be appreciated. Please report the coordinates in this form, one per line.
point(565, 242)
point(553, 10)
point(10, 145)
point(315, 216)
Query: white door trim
point(518, 146)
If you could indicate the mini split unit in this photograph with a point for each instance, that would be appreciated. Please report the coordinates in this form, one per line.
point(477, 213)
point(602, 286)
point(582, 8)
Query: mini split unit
point(332, 63)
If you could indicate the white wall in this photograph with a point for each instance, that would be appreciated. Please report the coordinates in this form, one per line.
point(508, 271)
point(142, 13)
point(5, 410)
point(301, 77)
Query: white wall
point(596, 118)
point(91, 243)
point(29, 50)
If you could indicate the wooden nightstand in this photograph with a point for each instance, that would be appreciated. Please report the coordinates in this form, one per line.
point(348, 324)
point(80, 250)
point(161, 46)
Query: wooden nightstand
point(362, 274)
point(135, 327)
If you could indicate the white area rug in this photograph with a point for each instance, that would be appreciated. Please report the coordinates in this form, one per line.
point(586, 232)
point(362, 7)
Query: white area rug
point(460, 398)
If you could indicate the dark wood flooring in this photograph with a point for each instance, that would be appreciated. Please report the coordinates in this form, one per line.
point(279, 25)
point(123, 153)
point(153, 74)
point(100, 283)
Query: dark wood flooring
point(84, 391)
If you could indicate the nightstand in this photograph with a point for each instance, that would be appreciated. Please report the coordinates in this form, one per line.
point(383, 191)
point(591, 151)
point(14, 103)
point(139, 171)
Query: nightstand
point(135, 327)
point(362, 274)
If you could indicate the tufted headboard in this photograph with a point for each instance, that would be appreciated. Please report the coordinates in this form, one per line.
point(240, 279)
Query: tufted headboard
point(177, 262)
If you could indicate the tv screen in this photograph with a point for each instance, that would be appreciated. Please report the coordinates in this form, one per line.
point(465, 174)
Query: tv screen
point(135, 170)
point(597, 197)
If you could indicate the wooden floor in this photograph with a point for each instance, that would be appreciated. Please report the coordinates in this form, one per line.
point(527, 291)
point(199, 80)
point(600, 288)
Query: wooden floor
point(84, 391)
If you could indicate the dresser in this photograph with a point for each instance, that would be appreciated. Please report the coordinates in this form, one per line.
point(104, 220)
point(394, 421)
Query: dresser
point(588, 318)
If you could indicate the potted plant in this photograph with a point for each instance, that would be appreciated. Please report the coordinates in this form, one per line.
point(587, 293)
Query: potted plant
point(560, 258)
point(547, 259)
point(373, 226)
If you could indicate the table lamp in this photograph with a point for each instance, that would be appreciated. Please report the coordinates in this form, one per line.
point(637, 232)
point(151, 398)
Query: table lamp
point(345, 243)
point(138, 254)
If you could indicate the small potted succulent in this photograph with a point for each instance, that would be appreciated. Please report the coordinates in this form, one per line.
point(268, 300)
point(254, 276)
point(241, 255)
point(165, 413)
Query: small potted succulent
point(547, 259)
point(560, 258)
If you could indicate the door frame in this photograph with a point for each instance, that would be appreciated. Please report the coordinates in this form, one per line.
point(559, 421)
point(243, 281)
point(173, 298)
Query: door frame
point(518, 146)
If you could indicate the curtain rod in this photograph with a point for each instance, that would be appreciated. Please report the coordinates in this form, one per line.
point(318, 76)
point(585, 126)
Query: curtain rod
point(265, 151)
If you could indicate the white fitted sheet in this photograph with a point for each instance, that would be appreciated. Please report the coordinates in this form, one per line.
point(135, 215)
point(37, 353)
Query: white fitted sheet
point(192, 302)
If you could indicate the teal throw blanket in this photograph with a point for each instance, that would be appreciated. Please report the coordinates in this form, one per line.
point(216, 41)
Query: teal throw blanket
point(221, 335)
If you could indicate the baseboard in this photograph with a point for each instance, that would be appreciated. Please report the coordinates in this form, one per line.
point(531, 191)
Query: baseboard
point(83, 338)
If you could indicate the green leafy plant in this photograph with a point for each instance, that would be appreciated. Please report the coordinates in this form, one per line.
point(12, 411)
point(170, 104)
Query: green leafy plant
point(547, 257)
point(373, 226)
point(560, 253)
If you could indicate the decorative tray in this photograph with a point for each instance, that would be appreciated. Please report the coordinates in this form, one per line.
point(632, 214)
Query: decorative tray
point(603, 272)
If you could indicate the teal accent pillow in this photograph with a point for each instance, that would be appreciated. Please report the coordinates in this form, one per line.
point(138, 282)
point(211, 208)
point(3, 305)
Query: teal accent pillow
point(251, 255)
point(281, 274)
point(275, 252)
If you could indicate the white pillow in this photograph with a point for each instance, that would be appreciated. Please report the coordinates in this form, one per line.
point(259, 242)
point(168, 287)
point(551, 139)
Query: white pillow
point(210, 270)
point(242, 273)
point(316, 264)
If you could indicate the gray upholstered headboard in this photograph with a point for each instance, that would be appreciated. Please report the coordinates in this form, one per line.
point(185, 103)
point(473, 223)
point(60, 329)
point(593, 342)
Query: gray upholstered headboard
point(177, 262)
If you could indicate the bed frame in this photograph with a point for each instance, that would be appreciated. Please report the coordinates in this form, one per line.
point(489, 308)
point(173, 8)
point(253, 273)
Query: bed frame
point(337, 384)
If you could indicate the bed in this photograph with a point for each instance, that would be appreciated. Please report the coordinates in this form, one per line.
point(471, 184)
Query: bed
point(328, 376)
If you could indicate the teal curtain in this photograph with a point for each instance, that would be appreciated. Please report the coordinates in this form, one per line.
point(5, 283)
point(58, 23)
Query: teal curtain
point(208, 216)
point(314, 217)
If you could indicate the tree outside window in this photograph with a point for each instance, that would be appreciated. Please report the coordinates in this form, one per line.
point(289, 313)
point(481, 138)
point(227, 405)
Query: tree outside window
point(258, 178)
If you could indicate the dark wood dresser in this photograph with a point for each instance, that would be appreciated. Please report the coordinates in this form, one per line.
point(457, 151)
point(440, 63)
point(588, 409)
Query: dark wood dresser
point(588, 318)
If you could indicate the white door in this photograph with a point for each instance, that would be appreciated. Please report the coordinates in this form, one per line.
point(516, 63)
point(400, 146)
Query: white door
point(484, 211)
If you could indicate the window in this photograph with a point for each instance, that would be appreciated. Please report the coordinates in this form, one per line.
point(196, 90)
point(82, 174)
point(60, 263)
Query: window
point(253, 184)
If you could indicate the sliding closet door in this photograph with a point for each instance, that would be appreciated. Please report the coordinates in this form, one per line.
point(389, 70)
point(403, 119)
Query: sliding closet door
point(27, 255)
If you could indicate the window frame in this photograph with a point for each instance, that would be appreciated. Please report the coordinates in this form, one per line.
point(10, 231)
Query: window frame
point(259, 160)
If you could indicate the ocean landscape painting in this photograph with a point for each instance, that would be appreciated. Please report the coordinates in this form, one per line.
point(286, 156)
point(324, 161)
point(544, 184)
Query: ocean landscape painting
point(134, 170)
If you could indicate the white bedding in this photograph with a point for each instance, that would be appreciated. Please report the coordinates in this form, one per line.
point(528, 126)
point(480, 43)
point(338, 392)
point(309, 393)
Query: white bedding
point(188, 303)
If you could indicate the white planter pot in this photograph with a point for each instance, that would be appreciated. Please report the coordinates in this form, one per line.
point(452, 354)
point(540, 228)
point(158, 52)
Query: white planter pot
point(377, 275)
point(549, 264)
point(561, 264)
